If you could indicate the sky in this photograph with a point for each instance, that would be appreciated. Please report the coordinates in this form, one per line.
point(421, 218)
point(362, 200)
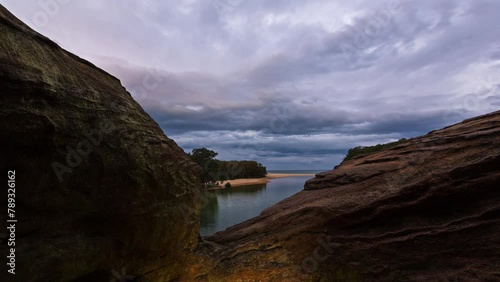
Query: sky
point(291, 84)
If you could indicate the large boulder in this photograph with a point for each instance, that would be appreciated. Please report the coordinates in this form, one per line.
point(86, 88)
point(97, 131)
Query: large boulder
point(100, 190)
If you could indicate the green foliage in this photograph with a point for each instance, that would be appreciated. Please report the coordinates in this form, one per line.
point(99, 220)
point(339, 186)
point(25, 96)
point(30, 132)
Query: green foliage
point(206, 159)
point(202, 155)
point(361, 151)
point(227, 185)
point(217, 170)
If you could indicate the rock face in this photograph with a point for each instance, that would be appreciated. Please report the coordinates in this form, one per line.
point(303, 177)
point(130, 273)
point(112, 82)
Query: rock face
point(425, 210)
point(99, 185)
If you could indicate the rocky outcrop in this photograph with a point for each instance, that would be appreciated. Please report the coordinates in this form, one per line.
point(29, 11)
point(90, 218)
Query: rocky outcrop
point(99, 186)
point(425, 210)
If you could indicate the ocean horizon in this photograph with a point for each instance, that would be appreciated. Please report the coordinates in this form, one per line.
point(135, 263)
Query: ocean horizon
point(297, 171)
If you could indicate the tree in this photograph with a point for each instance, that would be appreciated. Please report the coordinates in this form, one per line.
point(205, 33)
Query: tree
point(206, 159)
point(361, 150)
point(203, 155)
point(216, 170)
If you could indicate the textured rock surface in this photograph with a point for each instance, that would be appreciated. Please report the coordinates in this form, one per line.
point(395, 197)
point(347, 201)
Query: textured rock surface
point(126, 195)
point(426, 210)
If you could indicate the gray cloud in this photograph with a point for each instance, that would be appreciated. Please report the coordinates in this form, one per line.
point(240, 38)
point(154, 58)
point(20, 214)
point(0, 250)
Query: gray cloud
point(293, 84)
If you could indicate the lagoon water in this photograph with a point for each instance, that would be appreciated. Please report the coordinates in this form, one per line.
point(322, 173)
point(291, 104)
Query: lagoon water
point(231, 206)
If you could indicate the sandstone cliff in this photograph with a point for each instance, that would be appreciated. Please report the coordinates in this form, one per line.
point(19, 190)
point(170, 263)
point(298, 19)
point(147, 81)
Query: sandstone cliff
point(99, 185)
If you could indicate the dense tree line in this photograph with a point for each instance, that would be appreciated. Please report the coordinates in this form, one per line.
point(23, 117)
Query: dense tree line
point(361, 150)
point(216, 170)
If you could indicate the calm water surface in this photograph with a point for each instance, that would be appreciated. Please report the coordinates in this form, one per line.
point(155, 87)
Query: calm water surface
point(231, 206)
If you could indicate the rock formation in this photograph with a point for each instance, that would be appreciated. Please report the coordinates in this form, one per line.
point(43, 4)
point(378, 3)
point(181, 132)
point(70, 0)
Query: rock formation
point(99, 185)
point(425, 210)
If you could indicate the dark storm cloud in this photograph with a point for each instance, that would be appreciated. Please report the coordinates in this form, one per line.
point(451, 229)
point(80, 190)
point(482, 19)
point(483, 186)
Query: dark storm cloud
point(290, 83)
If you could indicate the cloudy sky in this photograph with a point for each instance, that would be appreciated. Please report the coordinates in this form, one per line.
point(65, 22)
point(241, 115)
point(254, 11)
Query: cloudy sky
point(292, 84)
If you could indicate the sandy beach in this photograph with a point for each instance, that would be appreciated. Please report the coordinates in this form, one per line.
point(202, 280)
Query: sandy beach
point(257, 181)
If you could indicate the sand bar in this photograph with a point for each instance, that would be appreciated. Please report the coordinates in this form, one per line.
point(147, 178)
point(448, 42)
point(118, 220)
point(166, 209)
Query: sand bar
point(257, 181)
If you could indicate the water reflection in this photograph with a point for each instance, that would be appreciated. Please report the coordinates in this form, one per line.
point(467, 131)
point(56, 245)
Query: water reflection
point(250, 189)
point(231, 206)
point(210, 211)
